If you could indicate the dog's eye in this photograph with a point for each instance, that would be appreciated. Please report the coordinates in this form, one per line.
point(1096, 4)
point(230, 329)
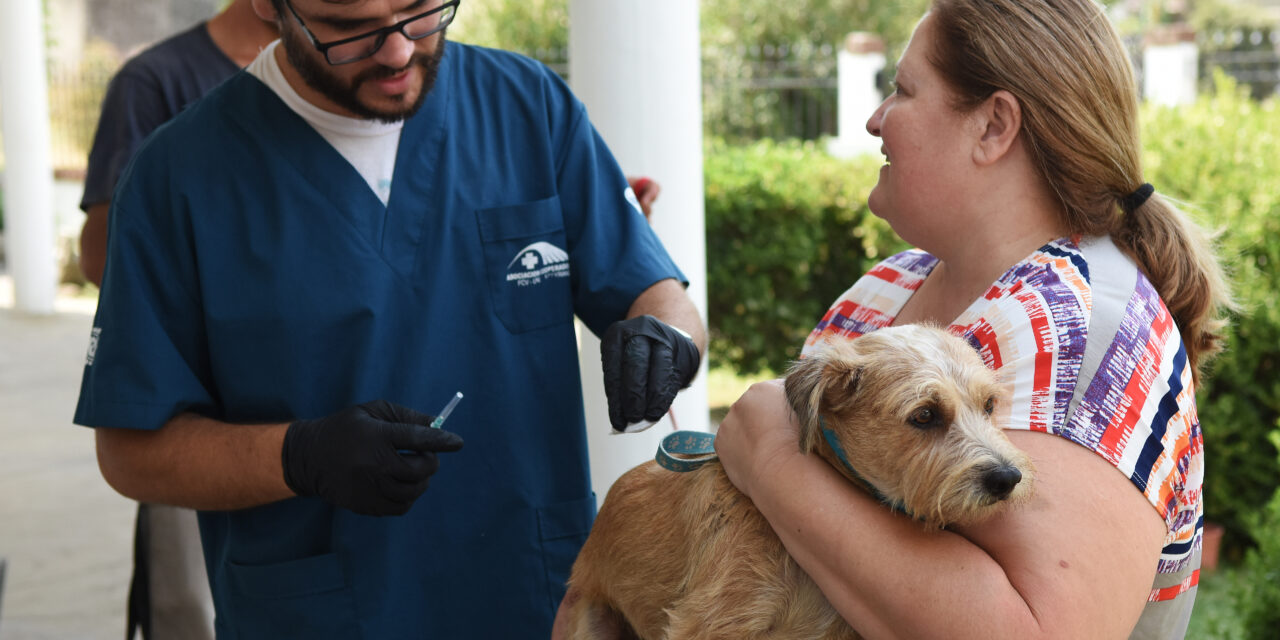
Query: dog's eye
point(924, 418)
point(990, 406)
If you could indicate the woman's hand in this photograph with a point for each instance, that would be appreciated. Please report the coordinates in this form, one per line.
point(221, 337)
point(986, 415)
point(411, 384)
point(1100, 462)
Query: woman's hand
point(758, 437)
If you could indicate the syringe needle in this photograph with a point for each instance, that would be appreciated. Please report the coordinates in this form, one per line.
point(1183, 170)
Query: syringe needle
point(448, 409)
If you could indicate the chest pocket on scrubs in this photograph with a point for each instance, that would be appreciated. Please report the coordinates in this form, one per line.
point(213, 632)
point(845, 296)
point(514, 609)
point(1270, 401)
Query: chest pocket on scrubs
point(527, 262)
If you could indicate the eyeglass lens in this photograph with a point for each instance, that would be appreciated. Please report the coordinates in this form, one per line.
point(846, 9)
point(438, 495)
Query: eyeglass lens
point(415, 29)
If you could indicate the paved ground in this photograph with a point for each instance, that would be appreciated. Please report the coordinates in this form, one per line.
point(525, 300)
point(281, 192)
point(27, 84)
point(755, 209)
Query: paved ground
point(66, 535)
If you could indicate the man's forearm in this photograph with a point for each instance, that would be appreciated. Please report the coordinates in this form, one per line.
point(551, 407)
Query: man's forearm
point(196, 462)
point(667, 301)
point(93, 242)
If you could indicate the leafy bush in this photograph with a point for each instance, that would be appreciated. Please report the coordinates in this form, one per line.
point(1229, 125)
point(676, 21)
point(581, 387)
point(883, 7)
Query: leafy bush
point(529, 26)
point(1217, 613)
point(1220, 154)
point(1259, 591)
point(788, 230)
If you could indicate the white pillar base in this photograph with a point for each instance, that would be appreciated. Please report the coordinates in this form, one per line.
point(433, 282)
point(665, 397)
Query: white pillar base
point(28, 177)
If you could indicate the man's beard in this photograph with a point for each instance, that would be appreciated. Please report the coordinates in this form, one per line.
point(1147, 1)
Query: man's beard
point(316, 73)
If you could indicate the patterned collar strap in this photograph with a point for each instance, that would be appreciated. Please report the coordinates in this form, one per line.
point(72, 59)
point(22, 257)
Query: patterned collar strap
point(700, 448)
point(698, 444)
point(834, 443)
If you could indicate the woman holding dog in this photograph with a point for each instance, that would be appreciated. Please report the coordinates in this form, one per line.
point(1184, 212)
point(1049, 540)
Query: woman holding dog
point(1012, 163)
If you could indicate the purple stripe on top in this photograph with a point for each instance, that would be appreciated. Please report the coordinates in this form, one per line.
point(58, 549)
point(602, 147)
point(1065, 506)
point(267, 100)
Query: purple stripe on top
point(914, 261)
point(861, 326)
point(1067, 316)
point(1101, 402)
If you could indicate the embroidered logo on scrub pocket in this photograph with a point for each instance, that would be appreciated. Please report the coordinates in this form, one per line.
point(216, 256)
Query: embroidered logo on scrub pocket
point(536, 262)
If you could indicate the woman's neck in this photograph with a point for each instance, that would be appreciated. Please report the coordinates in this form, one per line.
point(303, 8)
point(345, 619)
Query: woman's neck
point(991, 236)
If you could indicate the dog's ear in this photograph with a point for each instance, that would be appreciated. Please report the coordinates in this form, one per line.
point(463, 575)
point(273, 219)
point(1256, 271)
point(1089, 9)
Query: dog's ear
point(807, 384)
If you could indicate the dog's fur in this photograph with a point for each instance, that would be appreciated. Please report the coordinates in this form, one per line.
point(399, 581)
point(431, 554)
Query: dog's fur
point(685, 555)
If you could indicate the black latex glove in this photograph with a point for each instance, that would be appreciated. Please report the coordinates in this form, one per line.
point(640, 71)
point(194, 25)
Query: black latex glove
point(646, 361)
point(375, 458)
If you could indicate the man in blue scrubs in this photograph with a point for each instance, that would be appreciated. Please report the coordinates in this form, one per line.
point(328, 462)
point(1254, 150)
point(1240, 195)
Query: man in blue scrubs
point(311, 260)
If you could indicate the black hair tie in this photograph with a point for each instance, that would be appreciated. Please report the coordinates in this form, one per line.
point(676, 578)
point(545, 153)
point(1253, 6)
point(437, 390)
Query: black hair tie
point(1131, 202)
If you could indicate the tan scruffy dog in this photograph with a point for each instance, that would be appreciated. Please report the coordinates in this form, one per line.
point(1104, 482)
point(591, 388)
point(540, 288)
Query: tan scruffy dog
point(685, 555)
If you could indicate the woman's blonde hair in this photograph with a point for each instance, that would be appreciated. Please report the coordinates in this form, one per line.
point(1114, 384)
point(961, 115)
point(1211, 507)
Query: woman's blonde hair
point(1071, 74)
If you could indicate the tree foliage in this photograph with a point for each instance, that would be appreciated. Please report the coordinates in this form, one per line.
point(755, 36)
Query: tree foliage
point(526, 26)
point(727, 23)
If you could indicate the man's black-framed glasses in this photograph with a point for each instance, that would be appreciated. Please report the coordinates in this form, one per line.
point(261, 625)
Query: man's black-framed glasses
point(364, 45)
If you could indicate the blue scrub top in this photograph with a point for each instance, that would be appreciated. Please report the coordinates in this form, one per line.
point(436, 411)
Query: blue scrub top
point(254, 277)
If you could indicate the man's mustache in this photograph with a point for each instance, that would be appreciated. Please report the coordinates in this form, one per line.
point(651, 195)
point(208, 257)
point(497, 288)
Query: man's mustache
point(380, 72)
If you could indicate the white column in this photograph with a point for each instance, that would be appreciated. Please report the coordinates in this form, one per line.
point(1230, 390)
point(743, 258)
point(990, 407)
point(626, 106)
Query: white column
point(28, 175)
point(1170, 65)
point(636, 65)
point(859, 60)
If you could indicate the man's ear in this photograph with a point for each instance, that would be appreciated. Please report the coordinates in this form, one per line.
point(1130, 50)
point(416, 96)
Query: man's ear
point(265, 10)
point(999, 121)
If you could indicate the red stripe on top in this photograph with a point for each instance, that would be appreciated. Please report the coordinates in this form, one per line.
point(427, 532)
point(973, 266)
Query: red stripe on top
point(988, 345)
point(1169, 593)
point(847, 310)
point(996, 292)
point(1137, 390)
point(1042, 380)
point(842, 309)
point(908, 281)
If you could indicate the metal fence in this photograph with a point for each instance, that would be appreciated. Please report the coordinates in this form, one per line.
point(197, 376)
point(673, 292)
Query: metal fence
point(783, 91)
point(1251, 56)
point(75, 99)
point(769, 91)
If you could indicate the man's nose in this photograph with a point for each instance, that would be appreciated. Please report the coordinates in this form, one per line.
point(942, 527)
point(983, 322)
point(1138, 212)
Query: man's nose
point(396, 51)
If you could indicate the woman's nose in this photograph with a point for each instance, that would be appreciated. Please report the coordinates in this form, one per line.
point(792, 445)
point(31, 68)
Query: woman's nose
point(876, 119)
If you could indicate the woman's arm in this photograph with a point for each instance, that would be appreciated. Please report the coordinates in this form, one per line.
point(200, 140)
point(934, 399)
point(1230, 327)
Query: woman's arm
point(1077, 561)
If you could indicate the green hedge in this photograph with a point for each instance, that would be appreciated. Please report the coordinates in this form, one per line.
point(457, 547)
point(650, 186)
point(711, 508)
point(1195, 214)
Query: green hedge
point(1221, 155)
point(788, 230)
point(1259, 591)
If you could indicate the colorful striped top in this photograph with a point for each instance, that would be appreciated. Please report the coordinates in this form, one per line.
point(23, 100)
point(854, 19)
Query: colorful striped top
point(1090, 353)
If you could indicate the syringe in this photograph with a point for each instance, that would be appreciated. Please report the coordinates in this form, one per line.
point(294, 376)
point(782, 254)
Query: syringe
point(448, 409)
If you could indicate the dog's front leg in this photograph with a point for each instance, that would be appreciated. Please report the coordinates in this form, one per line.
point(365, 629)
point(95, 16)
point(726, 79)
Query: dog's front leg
point(581, 618)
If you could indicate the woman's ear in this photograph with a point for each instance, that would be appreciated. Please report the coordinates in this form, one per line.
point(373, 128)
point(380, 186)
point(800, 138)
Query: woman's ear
point(999, 121)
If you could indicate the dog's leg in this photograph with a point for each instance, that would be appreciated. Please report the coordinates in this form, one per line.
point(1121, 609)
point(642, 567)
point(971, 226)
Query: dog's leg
point(589, 620)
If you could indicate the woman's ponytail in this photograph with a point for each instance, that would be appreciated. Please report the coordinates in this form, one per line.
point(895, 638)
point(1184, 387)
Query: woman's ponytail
point(1177, 257)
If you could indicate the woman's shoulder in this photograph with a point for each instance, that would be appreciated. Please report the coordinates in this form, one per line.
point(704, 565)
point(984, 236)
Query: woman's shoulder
point(1071, 330)
point(1076, 289)
point(875, 298)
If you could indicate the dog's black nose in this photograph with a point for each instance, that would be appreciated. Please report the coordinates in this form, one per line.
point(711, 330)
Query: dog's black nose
point(999, 482)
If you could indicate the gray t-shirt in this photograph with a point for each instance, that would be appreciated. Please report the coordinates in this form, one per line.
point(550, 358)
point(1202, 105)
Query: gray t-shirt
point(151, 88)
